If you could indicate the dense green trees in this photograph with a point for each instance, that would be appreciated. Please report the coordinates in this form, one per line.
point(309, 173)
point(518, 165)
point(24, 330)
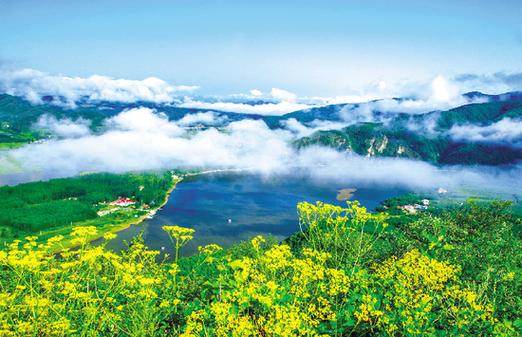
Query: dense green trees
point(483, 239)
point(38, 206)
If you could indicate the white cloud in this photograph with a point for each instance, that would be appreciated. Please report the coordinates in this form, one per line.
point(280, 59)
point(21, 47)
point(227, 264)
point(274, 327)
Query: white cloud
point(285, 102)
point(143, 120)
point(427, 125)
point(505, 130)
point(283, 95)
point(256, 93)
point(301, 130)
point(32, 85)
point(65, 128)
point(442, 90)
point(439, 94)
point(205, 118)
point(140, 139)
point(268, 109)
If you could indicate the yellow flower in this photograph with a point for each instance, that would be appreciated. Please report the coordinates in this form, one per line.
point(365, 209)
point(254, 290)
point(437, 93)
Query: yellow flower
point(82, 234)
point(180, 234)
point(209, 249)
point(109, 236)
point(257, 241)
point(508, 277)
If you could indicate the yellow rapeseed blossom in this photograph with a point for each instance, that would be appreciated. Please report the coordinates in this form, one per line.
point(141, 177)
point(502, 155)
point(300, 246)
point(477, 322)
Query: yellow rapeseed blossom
point(318, 287)
point(178, 233)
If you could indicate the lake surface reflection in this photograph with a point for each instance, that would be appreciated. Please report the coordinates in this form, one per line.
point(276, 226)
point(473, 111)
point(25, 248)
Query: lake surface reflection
point(228, 208)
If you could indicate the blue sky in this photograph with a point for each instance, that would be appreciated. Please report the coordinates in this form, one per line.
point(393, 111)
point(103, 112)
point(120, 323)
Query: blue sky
point(309, 47)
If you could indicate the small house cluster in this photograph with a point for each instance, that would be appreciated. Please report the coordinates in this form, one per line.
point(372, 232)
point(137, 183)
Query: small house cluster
point(123, 202)
point(412, 209)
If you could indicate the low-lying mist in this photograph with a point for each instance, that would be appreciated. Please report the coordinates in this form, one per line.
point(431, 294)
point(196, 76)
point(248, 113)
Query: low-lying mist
point(142, 139)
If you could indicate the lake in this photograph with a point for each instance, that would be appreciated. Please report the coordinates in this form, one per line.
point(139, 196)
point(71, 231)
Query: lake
point(228, 208)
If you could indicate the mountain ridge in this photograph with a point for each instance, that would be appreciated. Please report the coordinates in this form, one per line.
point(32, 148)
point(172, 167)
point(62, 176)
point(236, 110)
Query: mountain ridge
point(421, 136)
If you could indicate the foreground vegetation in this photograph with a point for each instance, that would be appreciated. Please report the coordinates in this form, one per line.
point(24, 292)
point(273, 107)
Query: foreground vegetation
point(54, 207)
point(347, 272)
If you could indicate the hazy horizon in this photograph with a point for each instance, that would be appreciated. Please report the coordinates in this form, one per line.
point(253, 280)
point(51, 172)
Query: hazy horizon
point(327, 48)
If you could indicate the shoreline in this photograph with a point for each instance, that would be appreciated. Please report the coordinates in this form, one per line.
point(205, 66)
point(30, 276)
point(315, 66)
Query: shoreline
point(136, 221)
point(115, 229)
point(215, 171)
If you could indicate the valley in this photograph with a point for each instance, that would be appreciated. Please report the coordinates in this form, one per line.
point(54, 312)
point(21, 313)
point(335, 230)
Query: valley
point(429, 136)
point(260, 168)
point(160, 207)
point(355, 211)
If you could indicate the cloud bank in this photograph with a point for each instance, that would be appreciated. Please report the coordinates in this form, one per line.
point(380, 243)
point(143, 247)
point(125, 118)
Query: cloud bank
point(277, 103)
point(203, 118)
point(33, 85)
point(301, 130)
point(439, 93)
point(141, 139)
point(506, 130)
point(266, 109)
point(63, 128)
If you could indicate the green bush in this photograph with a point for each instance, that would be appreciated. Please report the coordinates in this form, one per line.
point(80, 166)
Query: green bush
point(346, 274)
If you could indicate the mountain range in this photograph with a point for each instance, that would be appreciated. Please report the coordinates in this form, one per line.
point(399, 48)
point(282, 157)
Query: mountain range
point(360, 128)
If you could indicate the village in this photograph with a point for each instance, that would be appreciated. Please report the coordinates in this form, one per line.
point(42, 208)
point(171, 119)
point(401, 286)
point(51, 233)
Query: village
point(125, 204)
point(118, 205)
point(413, 203)
point(130, 204)
point(422, 206)
point(414, 208)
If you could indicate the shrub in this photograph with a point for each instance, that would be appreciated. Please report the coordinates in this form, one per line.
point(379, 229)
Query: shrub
point(337, 281)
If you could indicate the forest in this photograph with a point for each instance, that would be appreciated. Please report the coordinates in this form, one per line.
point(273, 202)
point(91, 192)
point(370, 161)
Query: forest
point(37, 206)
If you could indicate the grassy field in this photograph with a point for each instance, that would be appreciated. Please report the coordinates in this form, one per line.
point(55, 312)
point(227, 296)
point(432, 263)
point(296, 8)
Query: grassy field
point(112, 223)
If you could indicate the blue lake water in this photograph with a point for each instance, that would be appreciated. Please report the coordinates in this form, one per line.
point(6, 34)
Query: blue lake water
point(253, 204)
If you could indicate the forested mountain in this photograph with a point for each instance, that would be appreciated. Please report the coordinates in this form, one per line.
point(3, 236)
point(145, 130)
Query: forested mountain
point(375, 139)
point(494, 108)
point(18, 115)
point(424, 136)
point(480, 113)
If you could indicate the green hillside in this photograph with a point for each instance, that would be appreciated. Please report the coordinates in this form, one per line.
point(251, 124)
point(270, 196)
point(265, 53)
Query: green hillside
point(374, 139)
point(347, 272)
point(507, 105)
point(20, 115)
point(482, 114)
